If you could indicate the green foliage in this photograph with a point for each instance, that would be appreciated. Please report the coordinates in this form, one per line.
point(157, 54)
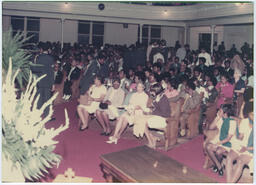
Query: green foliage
point(34, 161)
point(25, 140)
point(12, 47)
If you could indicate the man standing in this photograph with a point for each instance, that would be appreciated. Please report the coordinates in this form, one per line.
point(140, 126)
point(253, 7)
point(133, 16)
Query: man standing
point(73, 74)
point(207, 57)
point(181, 53)
point(92, 70)
point(45, 85)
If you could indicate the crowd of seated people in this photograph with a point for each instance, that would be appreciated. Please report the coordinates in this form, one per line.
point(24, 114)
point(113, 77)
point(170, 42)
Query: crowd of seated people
point(131, 85)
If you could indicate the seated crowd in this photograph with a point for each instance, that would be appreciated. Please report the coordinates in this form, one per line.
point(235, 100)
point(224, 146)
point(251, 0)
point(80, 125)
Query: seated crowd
point(136, 85)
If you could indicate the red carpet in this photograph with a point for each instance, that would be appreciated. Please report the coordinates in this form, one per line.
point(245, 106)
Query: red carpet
point(81, 150)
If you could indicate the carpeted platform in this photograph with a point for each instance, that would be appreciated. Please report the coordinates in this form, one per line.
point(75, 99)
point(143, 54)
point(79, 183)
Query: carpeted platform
point(81, 150)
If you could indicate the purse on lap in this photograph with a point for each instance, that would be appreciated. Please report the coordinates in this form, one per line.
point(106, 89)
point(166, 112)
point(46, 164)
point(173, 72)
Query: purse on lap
point(103, 105)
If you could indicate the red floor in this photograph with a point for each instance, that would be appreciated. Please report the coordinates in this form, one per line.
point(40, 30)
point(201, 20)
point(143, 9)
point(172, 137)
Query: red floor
point(81, 150)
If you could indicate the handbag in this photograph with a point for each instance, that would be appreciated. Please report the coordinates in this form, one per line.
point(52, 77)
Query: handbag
point(103, 105)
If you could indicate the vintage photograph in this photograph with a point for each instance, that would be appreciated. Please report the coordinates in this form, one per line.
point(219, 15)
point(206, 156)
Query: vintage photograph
point(127, 91)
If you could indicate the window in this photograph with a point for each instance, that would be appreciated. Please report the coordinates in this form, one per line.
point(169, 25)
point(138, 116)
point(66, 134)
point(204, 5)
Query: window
point(145, 29)
point(33, 28)
point(98, 33)
point(149, 33)
point(155, 33)
point(84, 32)
point(17, 23)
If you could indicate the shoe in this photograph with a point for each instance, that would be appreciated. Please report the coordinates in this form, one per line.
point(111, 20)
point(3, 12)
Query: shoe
point(182, 132)
point(64, 97)
point(82, 129)
point(220, 172)
point(215, 169)
point(53, 119)
point(68, 97)
point(103, 133)
point(114, 140)
point(108, 134)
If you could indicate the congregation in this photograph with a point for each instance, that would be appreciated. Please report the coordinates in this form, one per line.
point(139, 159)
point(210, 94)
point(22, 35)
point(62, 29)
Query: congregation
point(141, 86)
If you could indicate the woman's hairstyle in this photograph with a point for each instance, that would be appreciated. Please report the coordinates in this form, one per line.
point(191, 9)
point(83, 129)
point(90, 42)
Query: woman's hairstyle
point(147, 69)
point(228, 109)
point(116, 79)
point(213, 80)
point(141, 83)
point(157, 88)
point(225, 75)
point(100, 78)
point(140, 75)
point(191, 85)
point(248, 107)
point(173, 83)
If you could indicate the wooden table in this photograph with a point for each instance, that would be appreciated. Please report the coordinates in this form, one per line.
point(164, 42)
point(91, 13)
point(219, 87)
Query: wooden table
point(143, 164)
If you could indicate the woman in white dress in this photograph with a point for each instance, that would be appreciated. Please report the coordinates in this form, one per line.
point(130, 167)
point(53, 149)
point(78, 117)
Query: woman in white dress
point(113, 99)
point(137, 104)
point(96, 94)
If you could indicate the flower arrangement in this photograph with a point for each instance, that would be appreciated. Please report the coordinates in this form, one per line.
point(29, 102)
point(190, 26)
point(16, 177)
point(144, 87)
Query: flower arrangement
point(27, 146)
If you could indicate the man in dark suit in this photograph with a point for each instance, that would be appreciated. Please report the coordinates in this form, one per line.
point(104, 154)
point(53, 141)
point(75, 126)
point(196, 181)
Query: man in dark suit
point(45, 85)
point(73, 73)
point(92, 70)
point(58, 75)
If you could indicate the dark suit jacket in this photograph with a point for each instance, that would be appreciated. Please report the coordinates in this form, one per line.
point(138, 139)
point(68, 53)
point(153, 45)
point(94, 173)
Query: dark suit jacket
point(88, 77)
point(47, 63)
point(104, 70)
point(75, 73)
point(58, 77)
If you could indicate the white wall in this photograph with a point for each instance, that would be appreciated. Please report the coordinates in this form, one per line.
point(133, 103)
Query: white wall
point(117, 34)
point(237, 35)
point(70, 31)
point(6, 22)
point(170, 34)
point(50, 30)
point(194, 35)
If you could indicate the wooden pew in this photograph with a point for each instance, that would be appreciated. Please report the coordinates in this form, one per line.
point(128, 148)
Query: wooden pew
point(192, 122)
point(59, 88)
point(75, 88)
point(172, 128)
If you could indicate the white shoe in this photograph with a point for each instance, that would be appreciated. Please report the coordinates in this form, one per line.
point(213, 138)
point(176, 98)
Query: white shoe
point(113, 140)
point(68, 97)
point(182, 132)
point(64, 97)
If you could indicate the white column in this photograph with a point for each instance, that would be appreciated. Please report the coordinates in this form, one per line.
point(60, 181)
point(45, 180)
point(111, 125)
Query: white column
point(90, 36)
point(149, 34)
point(25, 26)
point(212, 37)
point(62, 32)
point(140, 25)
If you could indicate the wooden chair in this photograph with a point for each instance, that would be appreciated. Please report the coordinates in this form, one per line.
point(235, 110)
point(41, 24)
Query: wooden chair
point(172, 128)
point(192, 122)
point(210, 114)
point(59, 88)
point(75, 88)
